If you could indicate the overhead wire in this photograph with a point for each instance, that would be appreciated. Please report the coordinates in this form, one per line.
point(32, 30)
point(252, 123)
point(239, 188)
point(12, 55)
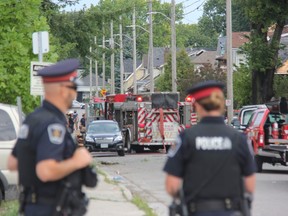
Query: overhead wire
point(195, 8)
point(192, 4)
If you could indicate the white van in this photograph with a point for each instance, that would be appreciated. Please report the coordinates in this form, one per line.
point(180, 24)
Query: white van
point(9, 127)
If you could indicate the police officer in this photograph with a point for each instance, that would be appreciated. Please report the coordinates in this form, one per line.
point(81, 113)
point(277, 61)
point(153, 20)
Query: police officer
point(210, 159)
point(45, 152)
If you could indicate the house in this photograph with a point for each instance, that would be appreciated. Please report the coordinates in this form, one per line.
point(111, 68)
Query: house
point(142, 74)
point(203, 58)
point(238, 39)
point(83, 90)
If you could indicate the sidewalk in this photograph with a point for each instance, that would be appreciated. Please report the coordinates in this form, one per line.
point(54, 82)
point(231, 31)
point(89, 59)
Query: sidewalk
point(110, 200)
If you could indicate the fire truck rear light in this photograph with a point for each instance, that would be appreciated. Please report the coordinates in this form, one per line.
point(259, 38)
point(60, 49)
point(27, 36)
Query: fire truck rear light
point(139, 99)
point(286, 131)
point(188, 99)
point(141, 125)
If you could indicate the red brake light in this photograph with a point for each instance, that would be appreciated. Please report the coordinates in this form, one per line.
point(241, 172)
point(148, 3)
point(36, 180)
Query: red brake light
point(188, 98)
point(141, 125)
point(139, 99)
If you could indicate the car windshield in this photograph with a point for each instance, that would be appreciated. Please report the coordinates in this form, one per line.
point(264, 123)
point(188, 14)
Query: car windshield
point(246, 116)
point(103, 127)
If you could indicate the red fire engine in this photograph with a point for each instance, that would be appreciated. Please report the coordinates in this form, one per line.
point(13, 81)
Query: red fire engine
point(149, 120)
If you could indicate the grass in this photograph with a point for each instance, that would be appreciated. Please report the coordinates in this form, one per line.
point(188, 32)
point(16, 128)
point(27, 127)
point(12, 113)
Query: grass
point(9, 208)
point(141, 204)
point(106, 179)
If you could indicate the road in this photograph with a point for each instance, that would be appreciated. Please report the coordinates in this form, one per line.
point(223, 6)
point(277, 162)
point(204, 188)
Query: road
point(143, 175)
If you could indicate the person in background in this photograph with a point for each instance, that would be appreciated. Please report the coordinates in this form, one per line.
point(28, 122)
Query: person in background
point(75, 119)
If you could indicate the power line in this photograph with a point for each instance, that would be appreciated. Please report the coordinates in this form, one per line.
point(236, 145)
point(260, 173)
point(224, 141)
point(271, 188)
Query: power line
point(195, 8)
point(192, 4)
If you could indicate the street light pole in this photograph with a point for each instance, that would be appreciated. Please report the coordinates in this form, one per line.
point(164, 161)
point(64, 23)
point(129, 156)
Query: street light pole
point(96, 68)
point(151, 65)
point(90, 74)
point(103, 57)
point(173, 47)
point(229, 102)
point(121, 56)
point(112, 71)
point(134, 52)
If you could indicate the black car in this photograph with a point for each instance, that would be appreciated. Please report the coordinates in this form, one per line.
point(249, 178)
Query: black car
point(104, 135)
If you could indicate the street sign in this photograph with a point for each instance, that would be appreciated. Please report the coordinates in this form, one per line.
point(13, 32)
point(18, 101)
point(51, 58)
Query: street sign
point(228, 102)
point(40, 42)
point(36, 87)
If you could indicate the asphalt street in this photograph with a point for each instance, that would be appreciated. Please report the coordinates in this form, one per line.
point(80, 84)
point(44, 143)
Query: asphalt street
point(142, 174)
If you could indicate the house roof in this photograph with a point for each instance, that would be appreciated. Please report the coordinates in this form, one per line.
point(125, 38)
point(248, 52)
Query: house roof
point(158, 56)
point(128, 65)
point(239, 38)
point(206, 57)
point(86, 80)
point(283, 69)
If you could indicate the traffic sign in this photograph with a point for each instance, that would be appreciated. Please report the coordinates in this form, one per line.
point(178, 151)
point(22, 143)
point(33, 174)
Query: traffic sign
point(228, 102)
point(103, 92)
point(36, 87)
point(40, 42)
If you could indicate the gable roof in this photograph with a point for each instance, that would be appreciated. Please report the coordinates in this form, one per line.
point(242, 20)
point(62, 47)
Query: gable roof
point(206, 57)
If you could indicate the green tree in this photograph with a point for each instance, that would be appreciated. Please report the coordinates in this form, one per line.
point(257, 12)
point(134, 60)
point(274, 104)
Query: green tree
point(262, 54)
point(281, 86)
point(185, 70)
point(242, 86)
point(18, 20)
point(213, 21)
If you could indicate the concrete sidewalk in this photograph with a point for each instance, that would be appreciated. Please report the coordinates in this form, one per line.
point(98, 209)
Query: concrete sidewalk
point(110, 200)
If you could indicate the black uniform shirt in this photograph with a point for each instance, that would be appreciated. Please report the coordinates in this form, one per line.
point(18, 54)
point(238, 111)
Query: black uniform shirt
point(184, 154)
point(42, 136)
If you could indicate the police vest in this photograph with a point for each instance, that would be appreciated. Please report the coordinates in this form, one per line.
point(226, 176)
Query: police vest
point(211, 148)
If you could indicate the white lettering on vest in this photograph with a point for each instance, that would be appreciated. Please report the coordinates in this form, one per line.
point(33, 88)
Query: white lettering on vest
point(213, 143)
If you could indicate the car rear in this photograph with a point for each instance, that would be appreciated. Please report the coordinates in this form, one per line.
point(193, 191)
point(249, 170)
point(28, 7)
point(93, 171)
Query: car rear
point(104, 136)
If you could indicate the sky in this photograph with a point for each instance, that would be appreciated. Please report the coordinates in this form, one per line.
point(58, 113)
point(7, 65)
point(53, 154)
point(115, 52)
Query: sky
point(192, 8)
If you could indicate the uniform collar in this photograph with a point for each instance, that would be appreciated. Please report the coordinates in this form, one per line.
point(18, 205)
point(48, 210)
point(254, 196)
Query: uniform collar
point(49, 106)
point(213, 119)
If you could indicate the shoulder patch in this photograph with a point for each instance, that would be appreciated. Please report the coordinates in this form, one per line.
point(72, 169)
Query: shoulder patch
point(23, 132)
point(56, 133)
point(174, 148)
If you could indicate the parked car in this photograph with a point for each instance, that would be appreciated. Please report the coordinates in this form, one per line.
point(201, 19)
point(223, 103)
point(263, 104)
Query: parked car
point(103, 136)
point(267, 137)
point(77, 104)
point(245, 114)
point(9, 127)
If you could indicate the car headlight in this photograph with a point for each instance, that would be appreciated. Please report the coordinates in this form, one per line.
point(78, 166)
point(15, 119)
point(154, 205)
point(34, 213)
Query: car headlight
point(89, 139)
point(118, 138)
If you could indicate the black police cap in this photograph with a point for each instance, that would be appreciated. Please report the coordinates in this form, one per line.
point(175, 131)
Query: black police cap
point(65, 70)
point(202, 87)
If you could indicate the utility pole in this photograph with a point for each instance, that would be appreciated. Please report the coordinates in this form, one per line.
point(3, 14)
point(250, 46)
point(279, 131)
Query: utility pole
point(90, 73)
point(112, 71)
point(134, 51)
point(121, 56)
point(103, 57)
point(151, 65)
point(229, 101)
point(96, 68)
point(173, 48)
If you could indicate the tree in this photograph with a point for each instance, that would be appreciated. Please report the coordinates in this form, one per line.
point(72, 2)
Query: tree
point(18, 20)
point(267, 18)
point(242, 86)
point(213, 21)
point(185, 70)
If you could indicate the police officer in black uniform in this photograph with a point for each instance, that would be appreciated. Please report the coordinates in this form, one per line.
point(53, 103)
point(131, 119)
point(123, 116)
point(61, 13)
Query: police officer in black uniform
point(210, 159)
point(45, 152)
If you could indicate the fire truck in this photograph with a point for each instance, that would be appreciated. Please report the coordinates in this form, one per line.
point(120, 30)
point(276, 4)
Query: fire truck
point(149, 120)
point(268, 133)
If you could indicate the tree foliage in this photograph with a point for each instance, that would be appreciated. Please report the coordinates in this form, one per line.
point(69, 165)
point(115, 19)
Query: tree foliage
point(213, 21)
point(187, 76)
point(18, 20)
point(267, 18)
